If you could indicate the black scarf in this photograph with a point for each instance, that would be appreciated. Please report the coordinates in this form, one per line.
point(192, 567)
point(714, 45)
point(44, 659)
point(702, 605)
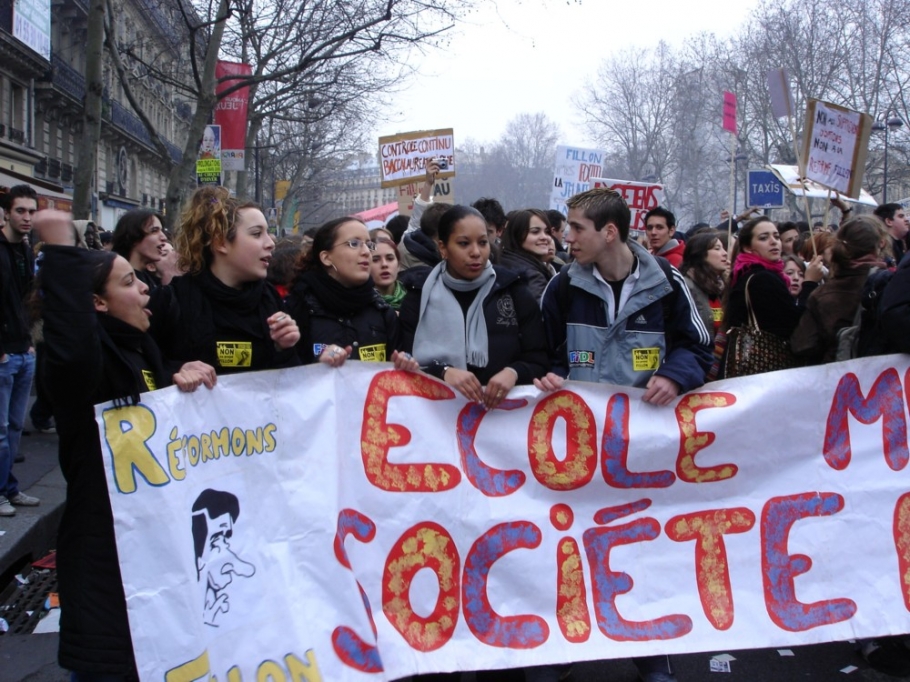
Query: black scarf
point(335, 297)
point(122, 336)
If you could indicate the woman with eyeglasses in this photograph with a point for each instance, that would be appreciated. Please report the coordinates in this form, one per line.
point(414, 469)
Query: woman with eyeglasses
point(334, 300)
point(223, 311)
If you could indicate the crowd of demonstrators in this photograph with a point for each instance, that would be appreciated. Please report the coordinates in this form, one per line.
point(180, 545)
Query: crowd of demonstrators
point(481, 300)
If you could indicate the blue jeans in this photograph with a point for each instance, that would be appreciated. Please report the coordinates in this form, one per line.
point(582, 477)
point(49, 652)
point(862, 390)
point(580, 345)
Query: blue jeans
point(16, 376)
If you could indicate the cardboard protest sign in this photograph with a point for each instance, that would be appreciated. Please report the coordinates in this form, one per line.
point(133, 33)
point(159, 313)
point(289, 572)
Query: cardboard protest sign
point(574, 168)
point(403, 158)
point(443, 193)
point(640, 196)
point(835, 143)
point(367, 524)
point(779, 89)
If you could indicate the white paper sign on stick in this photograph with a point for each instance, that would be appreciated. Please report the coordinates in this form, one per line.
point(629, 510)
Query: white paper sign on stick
point(779, 87)
point(835, 144)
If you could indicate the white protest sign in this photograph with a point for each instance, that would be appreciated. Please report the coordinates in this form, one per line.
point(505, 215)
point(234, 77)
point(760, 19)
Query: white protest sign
point(835, 143)
point(403, 158)
point(575, 166)
point(443, 193)
point(640, 196)
point(578, 525)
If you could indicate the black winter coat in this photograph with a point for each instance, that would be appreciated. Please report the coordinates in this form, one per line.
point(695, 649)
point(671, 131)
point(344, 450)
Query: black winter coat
point(514, 326)
point(16, 276)
point(196, 317)
point(774, 307)
point(84, 366)
point(372, 331)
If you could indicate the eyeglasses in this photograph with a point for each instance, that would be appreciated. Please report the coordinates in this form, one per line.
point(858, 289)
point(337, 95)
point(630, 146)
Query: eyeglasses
point(357, 243)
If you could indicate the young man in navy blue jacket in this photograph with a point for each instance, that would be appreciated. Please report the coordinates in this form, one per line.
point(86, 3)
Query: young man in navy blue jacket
point(621, 316)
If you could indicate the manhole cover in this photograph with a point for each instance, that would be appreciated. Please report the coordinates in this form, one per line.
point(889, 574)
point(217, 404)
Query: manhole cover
point(22, 606)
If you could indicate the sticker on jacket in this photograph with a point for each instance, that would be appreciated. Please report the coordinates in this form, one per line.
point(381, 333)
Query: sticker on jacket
point(149, 378)
point(581, 358)
point(374, 353)
point(645, 359)
point(235, 353)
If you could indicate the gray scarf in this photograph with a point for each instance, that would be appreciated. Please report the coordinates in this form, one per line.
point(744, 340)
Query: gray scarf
point(443, 333)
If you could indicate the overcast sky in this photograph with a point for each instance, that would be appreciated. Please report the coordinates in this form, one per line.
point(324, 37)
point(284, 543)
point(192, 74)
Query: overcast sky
point(524, 56)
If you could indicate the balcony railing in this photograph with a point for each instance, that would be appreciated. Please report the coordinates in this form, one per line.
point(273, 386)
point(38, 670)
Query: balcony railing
point(132, 125)
point(66, 79)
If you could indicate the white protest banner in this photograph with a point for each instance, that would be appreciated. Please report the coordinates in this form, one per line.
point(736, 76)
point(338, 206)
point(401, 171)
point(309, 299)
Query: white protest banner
point(403, 158)
point(575, 166)
point(640, 196)
point(443, 193)
point(835, 143)
point(578, 525)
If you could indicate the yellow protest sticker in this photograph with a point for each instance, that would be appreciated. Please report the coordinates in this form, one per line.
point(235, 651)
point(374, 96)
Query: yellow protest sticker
point(235, 353)
point(149, 379)
point(718, 314)
point(373, 353)
point(645, 359)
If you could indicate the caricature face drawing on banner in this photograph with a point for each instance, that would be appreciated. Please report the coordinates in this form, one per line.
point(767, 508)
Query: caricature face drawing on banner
point(211, 144)
point(214, 515)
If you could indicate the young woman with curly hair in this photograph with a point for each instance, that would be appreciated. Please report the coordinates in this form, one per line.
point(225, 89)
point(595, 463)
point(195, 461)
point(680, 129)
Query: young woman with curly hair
point(223, 311)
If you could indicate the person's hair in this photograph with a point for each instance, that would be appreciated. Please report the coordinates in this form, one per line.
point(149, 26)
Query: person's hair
point(283, 262)
point(451, 217)
point(887, 211)
point(429, 221)
point(661, 212)
point(697, 228)
point(388, 242)
point(744, 237)
point(491, 211)
point(215, 503)
point(518, 227)
point(795, 259)
point(208, 217)
point(786, 226)
point(860, 236)
point(377, 232)
point(555, 218)
point(132, 229)
point(102, 264)
point(17, 192)
point(397, 226)
point(323, 240)
point(106, 237)
point(602, 205)
point(695, 264)
point(822, 241)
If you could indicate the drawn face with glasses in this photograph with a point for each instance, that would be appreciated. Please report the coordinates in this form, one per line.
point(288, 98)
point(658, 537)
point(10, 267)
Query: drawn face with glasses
point(349, 259)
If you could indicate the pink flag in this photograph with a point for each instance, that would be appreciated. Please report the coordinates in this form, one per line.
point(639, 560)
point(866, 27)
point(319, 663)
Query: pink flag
point(730, 112)
point(230, 114)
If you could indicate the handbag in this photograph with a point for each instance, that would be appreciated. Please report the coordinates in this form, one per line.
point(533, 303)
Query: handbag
point(753, 351)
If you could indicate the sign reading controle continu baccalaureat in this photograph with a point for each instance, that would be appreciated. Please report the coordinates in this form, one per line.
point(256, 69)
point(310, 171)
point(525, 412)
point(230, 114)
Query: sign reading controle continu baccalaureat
point(367, 524)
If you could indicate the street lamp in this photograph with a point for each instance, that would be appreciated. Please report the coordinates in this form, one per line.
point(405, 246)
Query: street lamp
point(885, 125)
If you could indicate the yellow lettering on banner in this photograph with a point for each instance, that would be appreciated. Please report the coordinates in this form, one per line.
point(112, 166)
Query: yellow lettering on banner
point(126, 430)
point(645, 359)
point(178, 473)
point(303, 672)
point(189, 671)
point(235, 353)
point(269, 671)
point(373, 353)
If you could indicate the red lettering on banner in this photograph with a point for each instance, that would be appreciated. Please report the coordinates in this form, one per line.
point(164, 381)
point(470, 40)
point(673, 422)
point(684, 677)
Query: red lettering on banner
point(377, 436)
point(514, 632)
point(614, 448)
point(577, 468)
point(707, 529)
point(348, 645)
point(425, 545)
point(902, 543)
point(491, 482)
point(691, 440)
point(608, 584)
point(779, 568)
point(885, 401)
